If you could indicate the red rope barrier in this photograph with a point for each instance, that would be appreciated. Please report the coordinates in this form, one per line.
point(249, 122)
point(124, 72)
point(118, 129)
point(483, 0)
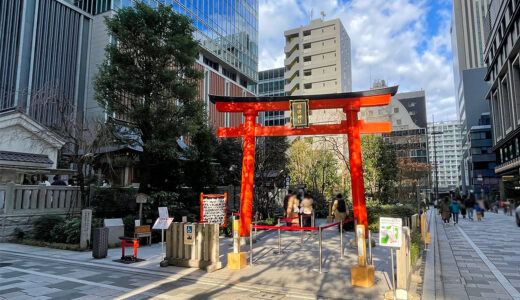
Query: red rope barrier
point(337, 223)
point(288, 219)
point(236, 214)
point(284, 227)
point(329, 226)
point(294, 218)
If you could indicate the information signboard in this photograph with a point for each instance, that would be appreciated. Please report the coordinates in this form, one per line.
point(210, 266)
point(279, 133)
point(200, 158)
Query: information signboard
point(390, 231)
point(162, 223)
point(213, 209)
point(141, 198)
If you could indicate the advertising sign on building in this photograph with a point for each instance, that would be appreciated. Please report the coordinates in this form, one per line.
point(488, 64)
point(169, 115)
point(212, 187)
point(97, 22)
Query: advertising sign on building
point(390, 231)
point(213, 209)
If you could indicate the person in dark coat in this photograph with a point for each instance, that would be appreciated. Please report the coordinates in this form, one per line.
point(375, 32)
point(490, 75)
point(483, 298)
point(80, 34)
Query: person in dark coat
point(445, 210)
point(58, 181)
point(469, 203)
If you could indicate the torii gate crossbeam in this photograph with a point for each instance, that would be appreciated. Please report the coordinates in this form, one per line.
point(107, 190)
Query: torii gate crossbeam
point(349, 102)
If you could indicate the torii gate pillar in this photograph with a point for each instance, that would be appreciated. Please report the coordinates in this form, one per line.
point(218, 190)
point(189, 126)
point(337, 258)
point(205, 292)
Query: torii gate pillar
point(248, 173)
point(356, 168)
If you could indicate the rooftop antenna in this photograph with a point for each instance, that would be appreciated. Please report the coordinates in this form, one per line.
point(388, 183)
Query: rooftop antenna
point(322, 13)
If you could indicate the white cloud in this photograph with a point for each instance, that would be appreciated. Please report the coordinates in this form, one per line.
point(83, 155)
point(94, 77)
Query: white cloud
point(389, 41)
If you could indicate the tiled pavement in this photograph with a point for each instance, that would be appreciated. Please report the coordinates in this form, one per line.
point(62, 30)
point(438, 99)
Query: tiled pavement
point(41, 273)
point(479, 260)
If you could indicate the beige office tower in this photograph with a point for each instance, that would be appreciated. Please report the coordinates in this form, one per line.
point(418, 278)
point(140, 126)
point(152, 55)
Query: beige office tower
point(317, 61)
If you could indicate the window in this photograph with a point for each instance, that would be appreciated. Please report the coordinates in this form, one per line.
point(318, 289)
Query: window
point(306, 33)
point(307, 86)
point(307, 72)
point(396, 110)
point(398, 121)
point(307, 58)
point(307, 46)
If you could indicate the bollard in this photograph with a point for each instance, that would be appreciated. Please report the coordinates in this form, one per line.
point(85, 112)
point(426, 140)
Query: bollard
point(370, 247)
point(251, 245)
point(319, 239)
point(301, 231)
point(341, 238)
point(279, 239)
point(256, 230)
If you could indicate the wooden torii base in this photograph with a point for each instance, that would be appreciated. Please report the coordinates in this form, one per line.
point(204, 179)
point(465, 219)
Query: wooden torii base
point(349, 102)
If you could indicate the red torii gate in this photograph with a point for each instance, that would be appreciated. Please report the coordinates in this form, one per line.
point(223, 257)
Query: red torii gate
point(350, 102)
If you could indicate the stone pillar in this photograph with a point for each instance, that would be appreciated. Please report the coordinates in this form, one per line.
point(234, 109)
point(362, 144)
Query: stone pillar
point(404, 261)
point(86, 224)
point(9, 197)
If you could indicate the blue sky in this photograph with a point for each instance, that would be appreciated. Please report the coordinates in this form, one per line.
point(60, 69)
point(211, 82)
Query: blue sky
point(405, 42)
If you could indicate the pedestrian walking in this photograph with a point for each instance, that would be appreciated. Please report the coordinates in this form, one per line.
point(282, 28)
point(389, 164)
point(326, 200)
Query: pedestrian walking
point(455, 210)
point(306, 210)
point(339, 209)
point(480, 203)
point(463, 210)
point(470, 206)
point(286, 202)
point(479, 211)
point(444, 209)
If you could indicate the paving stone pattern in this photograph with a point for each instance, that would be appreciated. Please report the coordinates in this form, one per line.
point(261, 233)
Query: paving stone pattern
point(464, 274)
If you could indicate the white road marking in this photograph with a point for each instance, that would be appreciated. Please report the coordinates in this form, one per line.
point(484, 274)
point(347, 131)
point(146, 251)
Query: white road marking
point(500, 277)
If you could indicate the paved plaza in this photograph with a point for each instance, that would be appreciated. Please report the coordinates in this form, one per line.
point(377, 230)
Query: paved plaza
point(475, 260)
point(40, 273)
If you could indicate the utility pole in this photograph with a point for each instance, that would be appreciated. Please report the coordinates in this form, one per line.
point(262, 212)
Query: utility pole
point(434, 133)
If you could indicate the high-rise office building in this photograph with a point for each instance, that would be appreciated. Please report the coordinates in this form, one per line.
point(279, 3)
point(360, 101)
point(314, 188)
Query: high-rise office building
point(502, 57)
point(445, 153)
point(45, 49)
point(228, 35)
point(468, 43)
point(318, 59)
point(318, 62)
point(272, 83)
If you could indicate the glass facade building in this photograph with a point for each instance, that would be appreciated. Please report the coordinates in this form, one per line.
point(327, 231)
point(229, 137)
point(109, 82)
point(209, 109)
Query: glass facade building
point(226, 29)
point(272, 83)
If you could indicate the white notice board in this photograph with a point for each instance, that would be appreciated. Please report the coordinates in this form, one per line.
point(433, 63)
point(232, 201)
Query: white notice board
point(390, 231)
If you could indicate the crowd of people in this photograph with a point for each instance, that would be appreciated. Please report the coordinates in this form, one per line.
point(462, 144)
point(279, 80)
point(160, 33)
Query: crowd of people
point(301, 204)
point(466, 207)
point(43, 179)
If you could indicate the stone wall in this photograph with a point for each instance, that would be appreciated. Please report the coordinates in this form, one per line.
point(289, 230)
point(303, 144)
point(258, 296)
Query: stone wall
point(20, 205)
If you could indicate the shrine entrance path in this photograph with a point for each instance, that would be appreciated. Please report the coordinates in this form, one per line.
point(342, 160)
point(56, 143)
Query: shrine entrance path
point(292, 275)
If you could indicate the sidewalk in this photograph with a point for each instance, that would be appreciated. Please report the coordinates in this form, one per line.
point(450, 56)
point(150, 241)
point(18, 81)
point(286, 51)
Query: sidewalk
point(474, 260)
point(293, 273)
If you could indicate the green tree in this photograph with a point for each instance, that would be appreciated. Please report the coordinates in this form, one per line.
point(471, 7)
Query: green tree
point(379, 168)
point(270, 172)
point(148, 83)
point(315, 166)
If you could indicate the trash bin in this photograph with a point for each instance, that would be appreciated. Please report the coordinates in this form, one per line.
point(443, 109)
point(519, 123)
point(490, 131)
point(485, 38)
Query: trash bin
point(100, 242)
